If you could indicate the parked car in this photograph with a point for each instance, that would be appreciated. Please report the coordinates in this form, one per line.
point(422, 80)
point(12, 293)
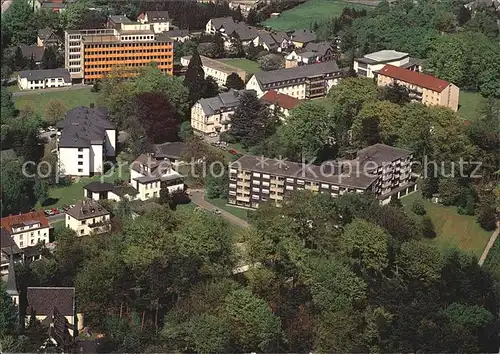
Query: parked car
point(232, 152)
point(65, 207)
point(216, 211)
point(48, 212)
point(61, 210)
point(55, 211)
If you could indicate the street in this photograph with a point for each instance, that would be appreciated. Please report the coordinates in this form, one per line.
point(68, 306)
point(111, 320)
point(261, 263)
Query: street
point(197, 197)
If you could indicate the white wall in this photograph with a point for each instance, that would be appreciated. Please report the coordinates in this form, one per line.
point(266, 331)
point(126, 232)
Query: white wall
point(68, 161)
point(96, 161)
point(159, 27)
point(30, 237)
point(81, 227)
point(253, 84)
point(110, 142)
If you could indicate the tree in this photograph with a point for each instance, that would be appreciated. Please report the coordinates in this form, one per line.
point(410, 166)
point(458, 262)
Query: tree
point(235, 49)
point(17, 190)
point(19, 59)
point(209, 88)
point(41, 191)
point(271, 62)
point(366, 245)
point(307, 131)
point(463, 15)
point(252, 17)
point(420, 261)
point(252, 51)
point(253, 326)
point(218, 46)
point(165, 197)
point(395, 93)
point(418, 207)
point(8, 313)
point(395, 202)
point(250, 121)
point(449, 191)
point(206, 49)
point(185, 131)
point(32, 63)
point(234, 81)
point(50, 59)
point(194, 78)
point(428, 230)
point(55, 111)
point(486, 215)
point(20, 22)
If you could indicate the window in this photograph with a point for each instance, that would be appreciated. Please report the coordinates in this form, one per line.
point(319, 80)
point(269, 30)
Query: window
point(84, 222)
point(80, 170)
point(21, 244)
point(81, 232)
point(80, 163)
point(80, 149)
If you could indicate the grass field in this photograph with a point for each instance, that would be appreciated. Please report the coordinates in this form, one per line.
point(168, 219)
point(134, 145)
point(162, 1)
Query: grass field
point(453, 229)
point(71, 98)
point(469, 105)
point(302, 16)
point(222, 204)
point(60, 196)
point(250, 66)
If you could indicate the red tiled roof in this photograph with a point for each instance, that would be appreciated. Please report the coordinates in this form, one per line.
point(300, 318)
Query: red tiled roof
point(9, 221)
point(415, 78)
point(284, 101)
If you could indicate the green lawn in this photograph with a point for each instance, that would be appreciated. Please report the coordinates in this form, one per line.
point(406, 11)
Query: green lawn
point(453, 229)
point(71, 98)
point(250, 66)
point(222, 204)
point(60, 196)
point(469, 105)
point(302, 16)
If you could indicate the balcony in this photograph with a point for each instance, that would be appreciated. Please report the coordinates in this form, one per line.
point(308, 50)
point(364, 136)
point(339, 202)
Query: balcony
point(100, 226)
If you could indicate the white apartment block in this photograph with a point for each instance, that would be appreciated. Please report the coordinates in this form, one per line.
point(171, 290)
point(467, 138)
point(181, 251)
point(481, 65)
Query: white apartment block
point(86, 141)
point(368, 65)
point(42, 79)
point(28, 229)
point(217, 69)
point(302, 82)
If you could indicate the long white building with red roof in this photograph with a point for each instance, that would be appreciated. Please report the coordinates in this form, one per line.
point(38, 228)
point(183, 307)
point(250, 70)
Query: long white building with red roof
point(424, 88)
point(27, 229)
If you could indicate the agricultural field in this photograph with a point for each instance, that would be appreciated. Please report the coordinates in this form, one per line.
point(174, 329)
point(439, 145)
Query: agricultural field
point(302, 16)
point(71, 98)
point(453, 229)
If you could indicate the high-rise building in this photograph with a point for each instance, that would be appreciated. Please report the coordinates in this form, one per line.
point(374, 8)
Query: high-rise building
point(92, 53)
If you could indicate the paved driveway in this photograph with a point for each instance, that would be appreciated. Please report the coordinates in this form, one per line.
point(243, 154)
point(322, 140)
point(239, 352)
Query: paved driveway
point(197, 197)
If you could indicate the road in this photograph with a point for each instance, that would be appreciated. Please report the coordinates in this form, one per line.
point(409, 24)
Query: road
point(490, 244)
point(34, 92)
point(56, 218)
point(197, 197)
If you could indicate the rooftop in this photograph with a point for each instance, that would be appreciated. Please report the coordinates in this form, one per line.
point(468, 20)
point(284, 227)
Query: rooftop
point(169, 150)
point(87, 208)
point(32, 51)
point(119, 19)
point(84, 126)
point(21, 220)
point(152, 169)
point(282, 100)
point(413, 77)
point(42, 300)
point(97, 187)
point(381, 153)
point(223, 100)
point(303, 36)
point(216, 64)
point(44, 74)
point(157, 16)
point(304, 71)
point(7, 243)
point(386, 55)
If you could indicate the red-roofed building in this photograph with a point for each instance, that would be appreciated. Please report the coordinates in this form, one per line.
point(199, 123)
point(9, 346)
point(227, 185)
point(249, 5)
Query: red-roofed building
point(27, 229)
point(283, 102)
point(424, 88)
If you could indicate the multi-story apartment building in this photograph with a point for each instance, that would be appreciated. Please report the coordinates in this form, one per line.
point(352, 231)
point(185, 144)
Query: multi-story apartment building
point(368, 65)
point(424, 88)
point(219, 70)
point(88, 217)
point(302, 82)
point(27, 229)
point(87, 139)
point(212, 116)
point(380, 169)
point(90, 54)
point(147, 175)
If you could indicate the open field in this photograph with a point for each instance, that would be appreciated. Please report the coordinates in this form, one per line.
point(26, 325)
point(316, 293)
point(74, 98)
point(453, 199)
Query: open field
point(302, 16)
point(71, 98)
point(250, 66)
point(469, 105)
point(453, 229)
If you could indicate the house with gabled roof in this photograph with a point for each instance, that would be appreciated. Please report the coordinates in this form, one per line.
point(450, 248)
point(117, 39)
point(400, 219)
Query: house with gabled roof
point(47, 37)
point(27, 229)
point(281, 102)
point(88, 217)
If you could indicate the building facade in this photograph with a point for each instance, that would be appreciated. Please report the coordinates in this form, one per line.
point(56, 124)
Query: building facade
point(160, 20)
point(88, 217)
point(87, 140)
point(216, 69)
point(280, 102)
point(91, 54)
point(302, 82)
point(380, 169)
point(148, 175)
point(424, 88)
point(368, 65)
point(42, 79)
point(27, 229)
point(212, 116)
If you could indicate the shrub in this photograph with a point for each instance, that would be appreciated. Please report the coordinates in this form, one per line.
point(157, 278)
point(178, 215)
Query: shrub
point(486, 216)
point(428, 230)
point(418, 207)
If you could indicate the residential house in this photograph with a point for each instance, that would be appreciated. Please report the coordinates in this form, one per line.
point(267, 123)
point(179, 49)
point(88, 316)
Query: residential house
point(379, 169)
point(302, 82)
point(32, 51)
point(229, 28)
point(148, 174)
point(47, 37)
point(27, 229)
point(424, 88)
point(300, 56)
point(172, 151)
point(323, 50)
point(301, 37)
point(42, 79)
point(47, 304)
point(90, 54)
point(107, 191)
point(178, 35)
point(368, 65)
point(272, 41)
point(212, 116)
point(88, 217)
point(159, 20)
point(476, 4)
point(219, 24)
point(86, 141)
point(219, 70)
point(47, 5)
point(280, 102)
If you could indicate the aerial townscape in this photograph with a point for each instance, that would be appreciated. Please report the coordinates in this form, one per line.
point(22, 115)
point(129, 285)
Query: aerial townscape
point(243, 176)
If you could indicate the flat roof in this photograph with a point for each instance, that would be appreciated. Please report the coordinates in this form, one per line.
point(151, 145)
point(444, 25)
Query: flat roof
point(386, 55)
point(217, 64)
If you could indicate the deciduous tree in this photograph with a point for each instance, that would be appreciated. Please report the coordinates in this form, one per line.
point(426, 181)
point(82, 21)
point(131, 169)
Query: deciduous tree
point(55, 111)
